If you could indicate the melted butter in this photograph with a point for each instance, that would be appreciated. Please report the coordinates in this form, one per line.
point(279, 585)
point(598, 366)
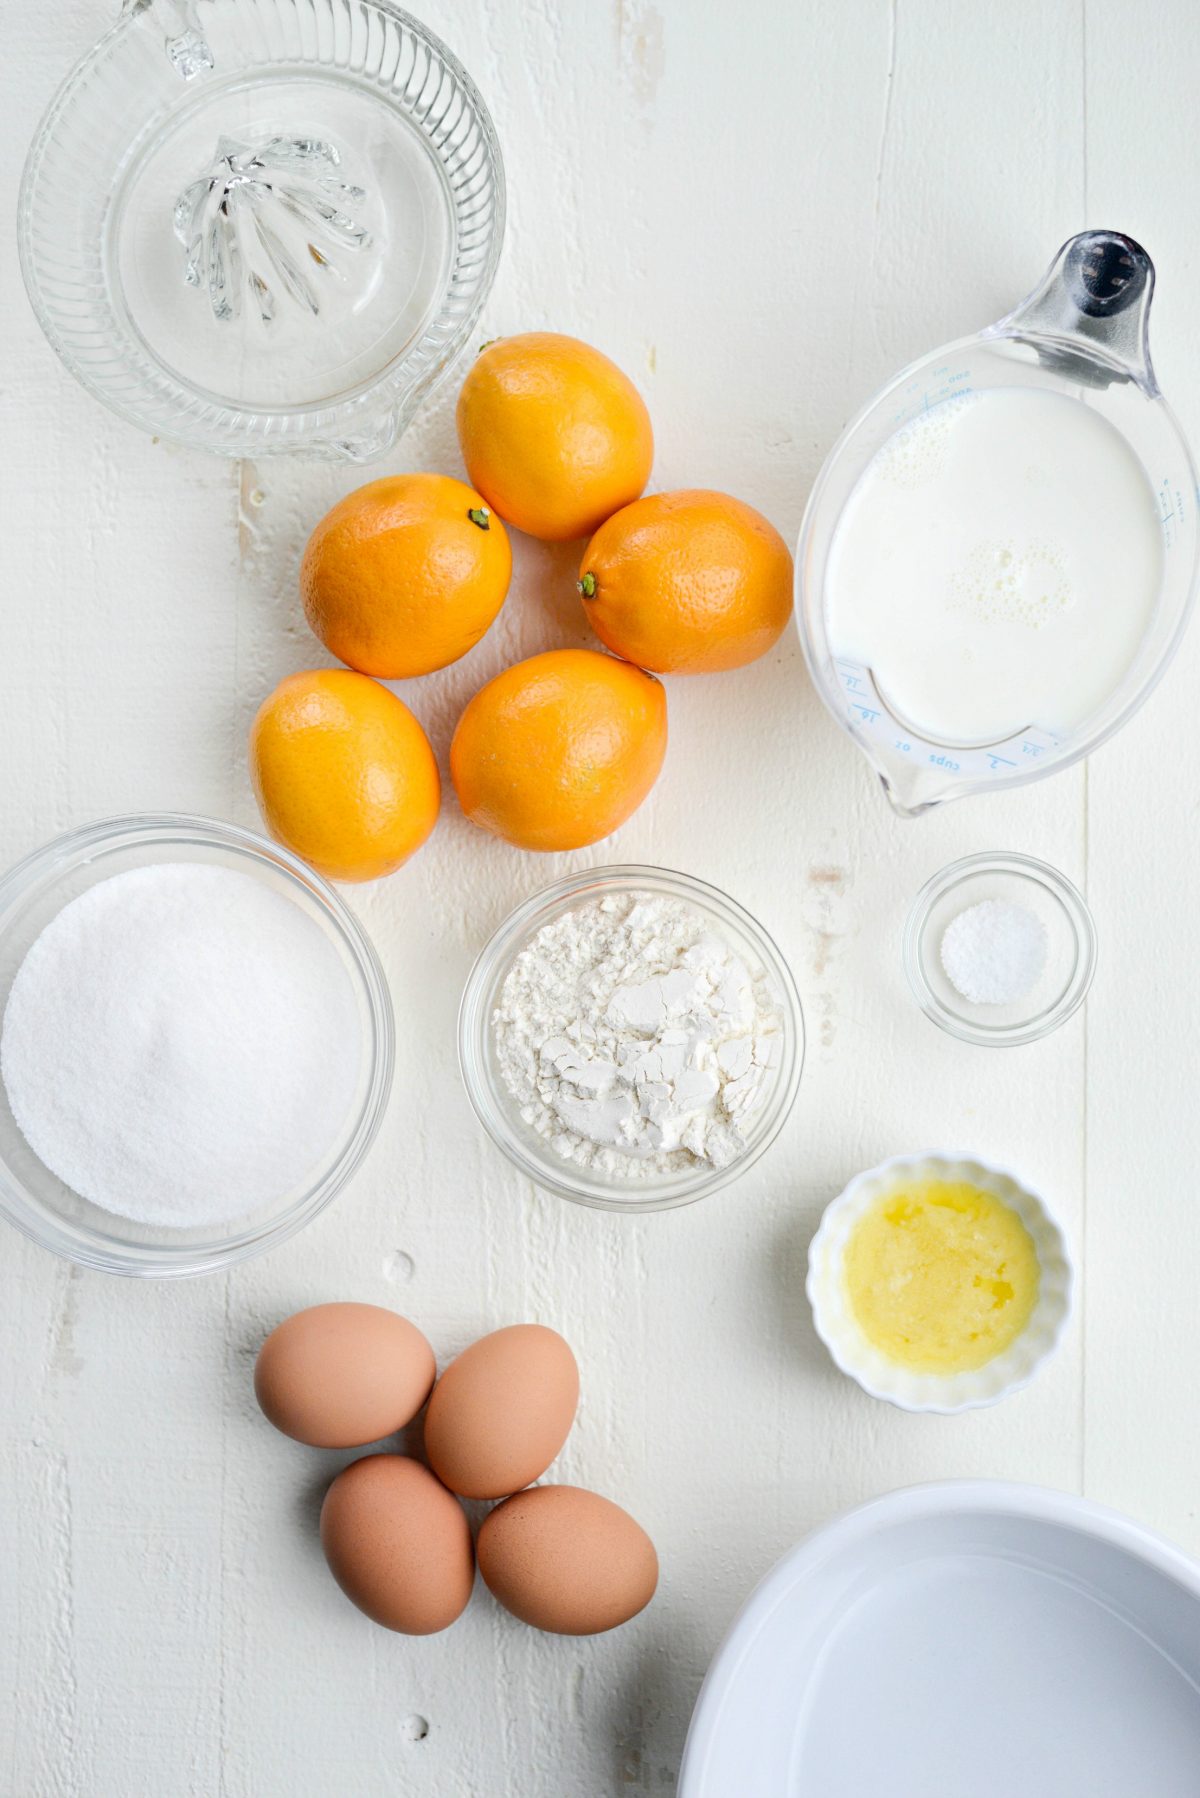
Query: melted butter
point(940, 1275)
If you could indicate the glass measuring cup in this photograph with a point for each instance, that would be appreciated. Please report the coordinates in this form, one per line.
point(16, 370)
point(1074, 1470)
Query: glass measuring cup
point(1082, 332)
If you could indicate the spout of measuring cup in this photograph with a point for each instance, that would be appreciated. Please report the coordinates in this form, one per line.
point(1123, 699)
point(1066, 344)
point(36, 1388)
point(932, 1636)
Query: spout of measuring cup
point(916, 785)
point(909, 804)
point(1089, 316)
point(901, 804)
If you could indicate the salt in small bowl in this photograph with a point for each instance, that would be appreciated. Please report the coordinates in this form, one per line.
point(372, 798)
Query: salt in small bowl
point(1020, 880)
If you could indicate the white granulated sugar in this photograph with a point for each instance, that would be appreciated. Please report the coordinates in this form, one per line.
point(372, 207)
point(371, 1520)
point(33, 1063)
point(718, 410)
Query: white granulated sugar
point(994, 953)
point(635, 1039)
point(181, 1045)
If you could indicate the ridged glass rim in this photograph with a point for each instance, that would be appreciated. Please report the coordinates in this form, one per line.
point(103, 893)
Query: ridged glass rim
point(493, 1107)
point(366, 421)
point(105, 1249)
point(1070, 901)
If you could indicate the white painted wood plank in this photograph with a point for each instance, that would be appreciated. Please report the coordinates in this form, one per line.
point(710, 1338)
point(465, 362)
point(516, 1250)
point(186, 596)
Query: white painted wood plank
point(1143, 1229)
point(118, 631)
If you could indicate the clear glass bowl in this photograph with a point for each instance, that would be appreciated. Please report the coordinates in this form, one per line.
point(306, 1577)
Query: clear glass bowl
point(31, 894)
point(494, 1105)
point(1070, 948)
point(355, 227)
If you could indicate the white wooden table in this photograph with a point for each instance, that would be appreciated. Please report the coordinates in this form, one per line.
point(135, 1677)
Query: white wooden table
point(760, 211)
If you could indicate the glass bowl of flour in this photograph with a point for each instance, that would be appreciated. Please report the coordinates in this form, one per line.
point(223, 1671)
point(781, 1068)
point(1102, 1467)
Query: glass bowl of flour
point(631, 1038)
point(196, 1048)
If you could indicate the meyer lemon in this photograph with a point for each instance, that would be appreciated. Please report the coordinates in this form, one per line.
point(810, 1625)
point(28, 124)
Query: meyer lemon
point(553, 434)
point(343, 773)
point(559, 750)
point(405, 575)
point(687, 583)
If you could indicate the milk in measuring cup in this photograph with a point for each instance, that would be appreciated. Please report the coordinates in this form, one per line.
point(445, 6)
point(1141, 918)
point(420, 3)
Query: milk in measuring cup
point(996, 565)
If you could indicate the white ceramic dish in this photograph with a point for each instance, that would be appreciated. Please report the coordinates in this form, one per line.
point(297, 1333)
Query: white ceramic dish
point(967, 1640)
point(944, 1393)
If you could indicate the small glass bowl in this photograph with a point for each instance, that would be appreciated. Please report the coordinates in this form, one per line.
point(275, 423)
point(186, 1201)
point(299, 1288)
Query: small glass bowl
point(495, 1107)
point(31, 894)
point(1070, 958)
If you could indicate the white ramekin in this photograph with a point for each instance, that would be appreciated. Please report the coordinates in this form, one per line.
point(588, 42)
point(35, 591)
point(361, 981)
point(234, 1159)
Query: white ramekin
point(945, 1393)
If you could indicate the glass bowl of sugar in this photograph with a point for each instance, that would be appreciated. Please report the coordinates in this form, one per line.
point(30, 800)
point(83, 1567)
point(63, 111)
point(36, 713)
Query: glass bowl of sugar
point(196, 1048)
point(631, 1038)
point(999, 949)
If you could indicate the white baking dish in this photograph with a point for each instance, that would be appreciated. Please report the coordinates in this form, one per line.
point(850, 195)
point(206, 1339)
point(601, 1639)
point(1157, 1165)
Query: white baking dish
point(966, 1640)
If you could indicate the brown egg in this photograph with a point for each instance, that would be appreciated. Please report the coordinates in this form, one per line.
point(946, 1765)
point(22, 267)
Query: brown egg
point(501, 1412)
point(398, 1544)
point(567, 1560)
point(336, 1376)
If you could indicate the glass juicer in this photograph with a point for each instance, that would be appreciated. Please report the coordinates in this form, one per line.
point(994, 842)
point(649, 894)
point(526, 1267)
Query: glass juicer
point(257, 226)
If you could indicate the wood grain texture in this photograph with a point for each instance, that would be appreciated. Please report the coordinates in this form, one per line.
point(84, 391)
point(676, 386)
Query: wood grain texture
point(759, 212)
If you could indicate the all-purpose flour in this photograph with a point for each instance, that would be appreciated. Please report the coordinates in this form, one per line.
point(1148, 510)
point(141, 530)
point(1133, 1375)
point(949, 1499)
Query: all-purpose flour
point(635, 1039)
point(181, 1044)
